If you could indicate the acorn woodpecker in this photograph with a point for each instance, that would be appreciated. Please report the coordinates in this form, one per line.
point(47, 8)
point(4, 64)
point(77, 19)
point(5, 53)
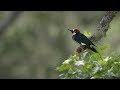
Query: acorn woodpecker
point(82, 39)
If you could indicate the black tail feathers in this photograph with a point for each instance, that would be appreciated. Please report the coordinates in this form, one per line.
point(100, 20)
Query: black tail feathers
point(94, 50)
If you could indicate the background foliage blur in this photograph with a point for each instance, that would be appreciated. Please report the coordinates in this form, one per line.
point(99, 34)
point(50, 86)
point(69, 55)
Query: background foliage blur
point(38, 41)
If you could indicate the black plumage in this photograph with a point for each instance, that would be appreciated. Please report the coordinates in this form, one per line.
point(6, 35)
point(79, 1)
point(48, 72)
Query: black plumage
point(82, 39)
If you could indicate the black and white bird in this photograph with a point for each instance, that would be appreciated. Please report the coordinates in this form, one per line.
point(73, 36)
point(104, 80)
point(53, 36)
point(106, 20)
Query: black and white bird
point(82, 39)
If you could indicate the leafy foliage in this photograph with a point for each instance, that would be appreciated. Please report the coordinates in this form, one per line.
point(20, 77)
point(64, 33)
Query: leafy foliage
point(87, 34)
point(89, 65)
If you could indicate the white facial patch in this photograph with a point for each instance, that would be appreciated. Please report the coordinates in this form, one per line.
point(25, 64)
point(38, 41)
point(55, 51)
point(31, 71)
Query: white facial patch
point(83, 43)
point(73, 33)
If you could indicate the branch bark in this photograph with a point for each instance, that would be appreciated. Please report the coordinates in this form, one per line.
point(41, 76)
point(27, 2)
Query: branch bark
point(8, 20)
point(102, 28)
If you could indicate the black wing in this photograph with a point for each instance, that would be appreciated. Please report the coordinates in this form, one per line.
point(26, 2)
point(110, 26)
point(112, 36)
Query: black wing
point(79, 37)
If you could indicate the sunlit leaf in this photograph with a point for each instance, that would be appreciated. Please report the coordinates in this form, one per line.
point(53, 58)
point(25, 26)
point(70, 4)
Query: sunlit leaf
point(87, 34)
point(66, 61)
point(63, 67)
point(91, 65)
point(101, 62)
point(78, 63)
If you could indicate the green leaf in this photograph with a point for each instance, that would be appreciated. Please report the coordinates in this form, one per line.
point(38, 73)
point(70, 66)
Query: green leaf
point(91, 65)
point(87, 34)
point(104, 47)
point(116, 68)
point(74, 58)
point(97, 76)
point(63, 67)
point(101, 62)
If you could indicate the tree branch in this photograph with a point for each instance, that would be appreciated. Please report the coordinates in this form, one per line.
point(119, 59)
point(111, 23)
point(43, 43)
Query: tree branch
point(102, 28)
point(8, 20)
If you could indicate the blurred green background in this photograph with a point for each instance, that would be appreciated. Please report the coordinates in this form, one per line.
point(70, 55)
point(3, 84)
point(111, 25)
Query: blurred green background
point(38, 41)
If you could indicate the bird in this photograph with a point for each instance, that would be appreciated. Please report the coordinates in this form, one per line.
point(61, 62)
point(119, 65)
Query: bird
point(82, 39)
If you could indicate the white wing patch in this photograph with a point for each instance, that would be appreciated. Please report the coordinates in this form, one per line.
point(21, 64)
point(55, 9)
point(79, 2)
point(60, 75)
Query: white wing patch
point(83, 43)
point(91, 46)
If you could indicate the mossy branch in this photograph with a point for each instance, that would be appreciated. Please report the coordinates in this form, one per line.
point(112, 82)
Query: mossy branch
point(102, 28)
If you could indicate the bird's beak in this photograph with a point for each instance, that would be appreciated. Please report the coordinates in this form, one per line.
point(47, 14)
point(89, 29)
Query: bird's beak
point(70, 30)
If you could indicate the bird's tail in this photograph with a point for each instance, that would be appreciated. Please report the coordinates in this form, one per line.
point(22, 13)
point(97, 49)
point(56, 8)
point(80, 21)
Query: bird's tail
point(93, 49)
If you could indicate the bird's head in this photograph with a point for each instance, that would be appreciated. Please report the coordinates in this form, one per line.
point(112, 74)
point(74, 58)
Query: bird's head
point(74, 30)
